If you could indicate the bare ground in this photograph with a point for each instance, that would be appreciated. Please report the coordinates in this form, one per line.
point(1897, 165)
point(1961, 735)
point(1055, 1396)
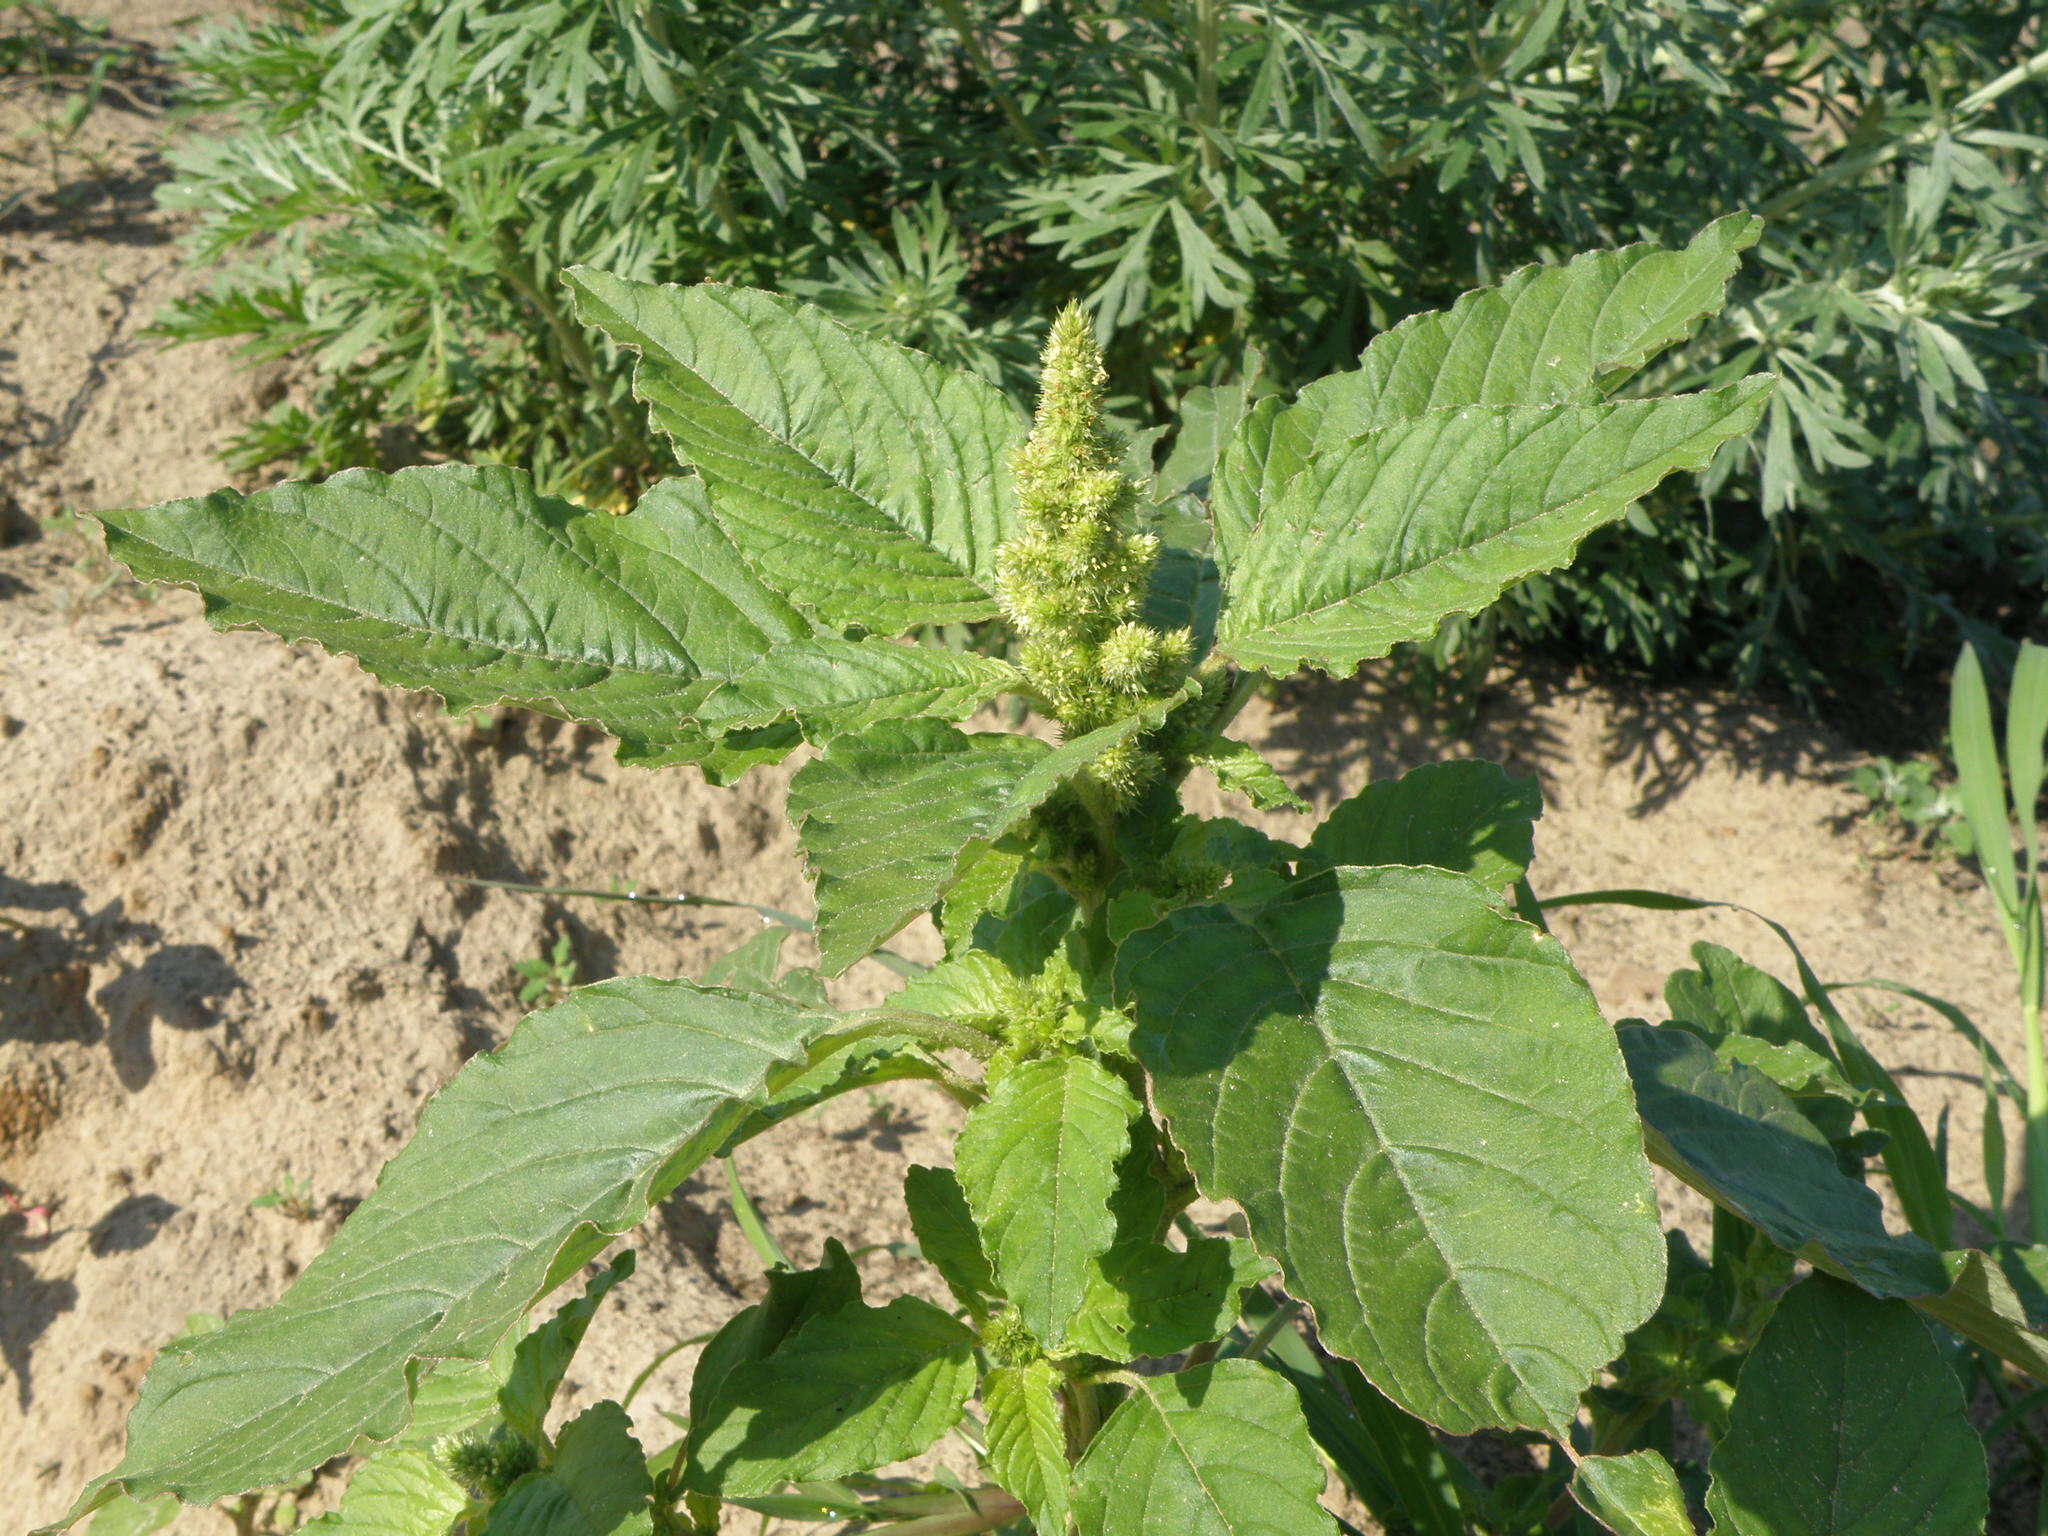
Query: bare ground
point(235, 945)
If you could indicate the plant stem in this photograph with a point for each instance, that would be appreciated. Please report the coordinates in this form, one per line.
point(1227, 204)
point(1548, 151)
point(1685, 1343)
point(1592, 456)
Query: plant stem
point(997, 1509)
point(568, 339)
point(2037, 1121)
point(1207, 45)
point(930, 1029)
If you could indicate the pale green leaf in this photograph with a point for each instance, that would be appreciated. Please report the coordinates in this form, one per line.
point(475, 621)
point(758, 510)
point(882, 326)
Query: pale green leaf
point(974, 986)
point(1027, 1440)
point(1471, 817)
point(1734, 1135)
point(833, 687)
point(1980, 782)
point(597, 1484)
point(1220, 1450)
point(543, 1356)
point(1543, 335)
point(998, 905)
point(891, 819)
point(945, 1233)
point(2026, 732)
point(1847, 1422)
point(1426, 1121)
point(1632, 1495)
point(132, 1517)
point(1240, 769)
point(520, 1172)
point(1037, 1161)
point(1146, 1299)
point(394, 1493)
point(866, 482)
point(466, 582)
point(1376, 541)
point(851, 1388)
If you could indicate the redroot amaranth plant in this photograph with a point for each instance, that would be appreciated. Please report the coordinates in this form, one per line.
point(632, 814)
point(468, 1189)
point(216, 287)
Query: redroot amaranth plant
point(1364, 1039)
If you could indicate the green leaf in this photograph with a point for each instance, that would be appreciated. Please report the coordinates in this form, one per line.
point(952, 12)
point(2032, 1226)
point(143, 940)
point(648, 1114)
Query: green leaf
point(890, 820)
point(864, 481)
point(1980, 782)
point(1423, 1115)
point(394, 1493)
point(597, 1484)
point(1544, 335)
point(1375, 542)
point(1632, 1495)
point(1847, 1419)
point(1037, 1161)
point(974, 986)
point(1734, 1135)
point(1027, 1440)
point(1146, 1299)
point(1469, 817)
point(1997, 1300)
point(849, 1389)
point(520, 1172)
point(543, 1356)
point(1239, 769)
point(2026, 727)
point(1220, 1450)
point(998, 905)
point(832, 687)
point(1729, 996)
point(466, 582)
point(946, 1236)
point(131, 1517)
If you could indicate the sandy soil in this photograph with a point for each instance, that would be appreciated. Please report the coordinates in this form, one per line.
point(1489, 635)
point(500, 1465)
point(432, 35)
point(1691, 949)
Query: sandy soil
point(235, 945)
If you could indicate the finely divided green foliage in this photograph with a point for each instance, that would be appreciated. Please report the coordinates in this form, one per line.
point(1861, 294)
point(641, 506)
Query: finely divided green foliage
point(1362, 1038)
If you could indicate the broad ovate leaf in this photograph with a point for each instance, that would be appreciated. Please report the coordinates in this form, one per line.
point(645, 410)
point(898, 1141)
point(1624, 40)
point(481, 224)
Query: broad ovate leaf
point(596, 1484)
point(470, 584)
point(1416, 1102)
point(851, 1388)
point(891, 819)
point(1027, 1439)
point(1375, 541)
point(520, 1172)
point(1470, 817)
point(1847, 1422)
point(1543, 335)
point(394, 1493)
point(1220, 1450)
point(1632, 1495)
point(866, 482)
point(1736, 1137)
point(1241, 769)
point(1037, 1162)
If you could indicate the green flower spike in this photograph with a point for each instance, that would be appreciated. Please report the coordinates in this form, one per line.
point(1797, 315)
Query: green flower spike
point(1073, 581)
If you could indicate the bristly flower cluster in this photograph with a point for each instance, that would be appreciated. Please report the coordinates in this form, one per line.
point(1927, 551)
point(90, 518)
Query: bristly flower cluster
point(1073, 582)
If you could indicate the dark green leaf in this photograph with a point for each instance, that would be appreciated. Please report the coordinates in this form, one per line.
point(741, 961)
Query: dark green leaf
point(1847, 1420)
point(1469, 817)
point(1424, 1117)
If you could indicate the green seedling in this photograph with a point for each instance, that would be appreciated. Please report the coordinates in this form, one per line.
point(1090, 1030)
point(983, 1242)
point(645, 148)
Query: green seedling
point(1361, 1035)
point(550, 976)
point(289, 1196)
